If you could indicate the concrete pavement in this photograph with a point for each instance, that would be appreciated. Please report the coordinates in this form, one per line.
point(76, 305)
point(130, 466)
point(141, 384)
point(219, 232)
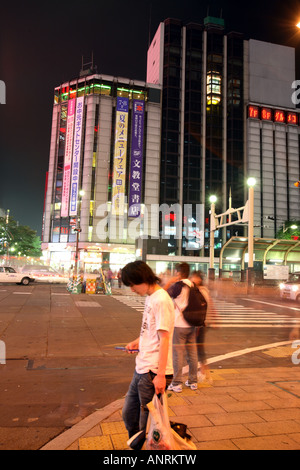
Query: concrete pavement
point(253, 402)
point(243, 409)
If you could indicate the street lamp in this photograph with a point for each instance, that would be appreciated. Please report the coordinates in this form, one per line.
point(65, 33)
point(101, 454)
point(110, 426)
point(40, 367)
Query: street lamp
point(251, 183)
point(77, 230)
point(211, 271)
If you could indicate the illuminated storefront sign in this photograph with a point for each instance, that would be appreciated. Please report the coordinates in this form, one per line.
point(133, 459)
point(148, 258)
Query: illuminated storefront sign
point(136, 168)
point(76, 156)
point(119, 173)
point(266, 114)
point(275, 115)
point(68, 159)
point(253, 112)
point(292, 118)
point(279, 116)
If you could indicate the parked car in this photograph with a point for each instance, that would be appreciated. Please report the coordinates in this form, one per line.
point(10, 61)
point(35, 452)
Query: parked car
point(290, 289)
point(8, 274)
point(44, 274)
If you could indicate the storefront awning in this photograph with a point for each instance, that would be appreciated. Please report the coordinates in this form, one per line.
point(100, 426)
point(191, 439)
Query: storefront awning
point(265, 250)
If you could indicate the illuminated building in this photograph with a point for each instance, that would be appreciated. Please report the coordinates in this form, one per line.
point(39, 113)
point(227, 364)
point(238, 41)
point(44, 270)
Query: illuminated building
point(227, 114)
point(217, 108)
point(104, 150)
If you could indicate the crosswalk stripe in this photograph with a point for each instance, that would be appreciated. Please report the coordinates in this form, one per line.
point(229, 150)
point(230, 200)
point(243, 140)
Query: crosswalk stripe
point(230, 315)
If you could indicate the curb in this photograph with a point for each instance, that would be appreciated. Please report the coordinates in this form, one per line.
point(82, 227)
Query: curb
point(64, 440)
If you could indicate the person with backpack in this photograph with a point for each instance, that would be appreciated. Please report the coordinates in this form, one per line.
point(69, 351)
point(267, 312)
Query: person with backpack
point(197, 277)
point(184, 337)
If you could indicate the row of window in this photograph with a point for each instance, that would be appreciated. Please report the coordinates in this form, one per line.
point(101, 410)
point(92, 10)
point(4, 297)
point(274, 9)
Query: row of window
point(96, 86)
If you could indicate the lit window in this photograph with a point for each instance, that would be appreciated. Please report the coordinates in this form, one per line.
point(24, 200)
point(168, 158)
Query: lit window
point(213, 88)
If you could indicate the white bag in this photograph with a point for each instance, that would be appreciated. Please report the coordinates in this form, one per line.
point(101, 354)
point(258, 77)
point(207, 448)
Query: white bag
point(159, 432)
point(181, 443)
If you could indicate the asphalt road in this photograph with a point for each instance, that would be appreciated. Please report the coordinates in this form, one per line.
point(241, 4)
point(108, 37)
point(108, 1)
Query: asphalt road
point(61, 360)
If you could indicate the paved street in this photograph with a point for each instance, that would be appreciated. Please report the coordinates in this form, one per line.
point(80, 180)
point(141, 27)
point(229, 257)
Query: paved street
point(61, 361)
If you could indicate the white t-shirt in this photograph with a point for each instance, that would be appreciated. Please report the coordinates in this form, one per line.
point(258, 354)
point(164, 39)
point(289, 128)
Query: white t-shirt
point(181, 298)
point(158, 315)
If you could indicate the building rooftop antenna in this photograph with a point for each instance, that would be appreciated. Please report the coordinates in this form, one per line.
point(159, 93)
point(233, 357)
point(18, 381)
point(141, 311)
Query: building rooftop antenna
point(88, 68)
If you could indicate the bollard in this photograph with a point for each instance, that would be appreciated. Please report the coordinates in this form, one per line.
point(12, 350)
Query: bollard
point(2, 353)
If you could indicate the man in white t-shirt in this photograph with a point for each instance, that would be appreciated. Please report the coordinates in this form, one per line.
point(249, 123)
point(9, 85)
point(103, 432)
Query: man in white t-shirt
point(154, 364)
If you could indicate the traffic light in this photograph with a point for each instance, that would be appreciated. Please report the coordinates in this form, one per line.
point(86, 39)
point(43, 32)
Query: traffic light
point(297, 184)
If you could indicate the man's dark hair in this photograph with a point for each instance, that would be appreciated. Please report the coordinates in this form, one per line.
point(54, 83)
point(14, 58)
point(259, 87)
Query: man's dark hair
point(199, 274)
point(183, 269)
point(138, 272)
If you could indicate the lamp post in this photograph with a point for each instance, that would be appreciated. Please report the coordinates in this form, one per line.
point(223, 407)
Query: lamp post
point(250, 274)
point(77, 229)
point(211, 271)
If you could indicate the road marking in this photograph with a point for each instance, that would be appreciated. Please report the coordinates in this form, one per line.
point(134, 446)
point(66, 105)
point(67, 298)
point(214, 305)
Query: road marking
point(230, 315)
point(22, 293)
point(83, 303)
point(59, 293)
point(240, 352)
point(273, 305)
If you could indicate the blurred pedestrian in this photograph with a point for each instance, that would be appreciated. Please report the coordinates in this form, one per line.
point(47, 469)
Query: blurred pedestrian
point(109, 276)
point(184, 338)
point(119, 276)
point(154, 365)
point(197, 277)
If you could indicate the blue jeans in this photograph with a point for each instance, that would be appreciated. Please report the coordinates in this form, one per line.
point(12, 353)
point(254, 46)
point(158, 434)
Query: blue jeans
point(140, 392)
point(184, 342)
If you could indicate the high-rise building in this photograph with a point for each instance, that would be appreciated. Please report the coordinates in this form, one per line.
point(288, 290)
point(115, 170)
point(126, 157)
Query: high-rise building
point(103, 169)
point(227, 114)
point(130, 158)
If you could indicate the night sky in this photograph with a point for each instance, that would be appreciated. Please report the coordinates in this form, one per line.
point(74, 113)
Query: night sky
point(42, 45)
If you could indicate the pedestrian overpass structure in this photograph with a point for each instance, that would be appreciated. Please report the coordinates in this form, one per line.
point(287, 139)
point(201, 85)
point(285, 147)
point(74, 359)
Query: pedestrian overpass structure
point(266, 251)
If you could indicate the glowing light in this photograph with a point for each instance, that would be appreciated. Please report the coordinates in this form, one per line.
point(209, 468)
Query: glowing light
point(251, 181)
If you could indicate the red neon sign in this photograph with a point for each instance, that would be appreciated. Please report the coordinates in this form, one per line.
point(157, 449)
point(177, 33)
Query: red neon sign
point(253, 112)
point(266, 114)
point(292, 118)
point(279, 116)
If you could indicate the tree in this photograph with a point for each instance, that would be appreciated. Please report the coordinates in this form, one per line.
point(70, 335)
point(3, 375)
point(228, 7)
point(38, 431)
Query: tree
point(290, 230)
point(18, 240)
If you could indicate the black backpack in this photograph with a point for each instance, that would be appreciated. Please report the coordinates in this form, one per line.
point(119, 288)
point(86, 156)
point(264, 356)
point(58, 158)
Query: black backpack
point(195, 311)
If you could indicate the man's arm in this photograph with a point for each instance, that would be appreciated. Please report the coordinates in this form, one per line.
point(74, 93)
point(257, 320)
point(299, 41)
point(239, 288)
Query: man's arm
point(159, 381)
point(133, 345)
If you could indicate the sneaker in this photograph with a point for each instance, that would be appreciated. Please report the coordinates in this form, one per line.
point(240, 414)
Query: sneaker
point(193, 386)
point(175, 388)
point(204, 378)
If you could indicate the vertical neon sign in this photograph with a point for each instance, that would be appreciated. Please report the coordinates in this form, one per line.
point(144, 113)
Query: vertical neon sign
point(119, 172)
point(68, 159)
point(136, 168)
point(76, 156)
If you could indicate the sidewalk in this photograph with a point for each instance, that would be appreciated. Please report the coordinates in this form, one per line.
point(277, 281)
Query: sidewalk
point(243, 409)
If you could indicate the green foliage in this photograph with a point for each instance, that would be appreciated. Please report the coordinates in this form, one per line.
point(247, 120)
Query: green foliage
point(20, 240)
point(287, 232)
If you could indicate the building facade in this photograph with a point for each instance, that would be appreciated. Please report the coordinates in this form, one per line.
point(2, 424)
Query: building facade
point(103, 167)
point(212, 139)
point(215, 109)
